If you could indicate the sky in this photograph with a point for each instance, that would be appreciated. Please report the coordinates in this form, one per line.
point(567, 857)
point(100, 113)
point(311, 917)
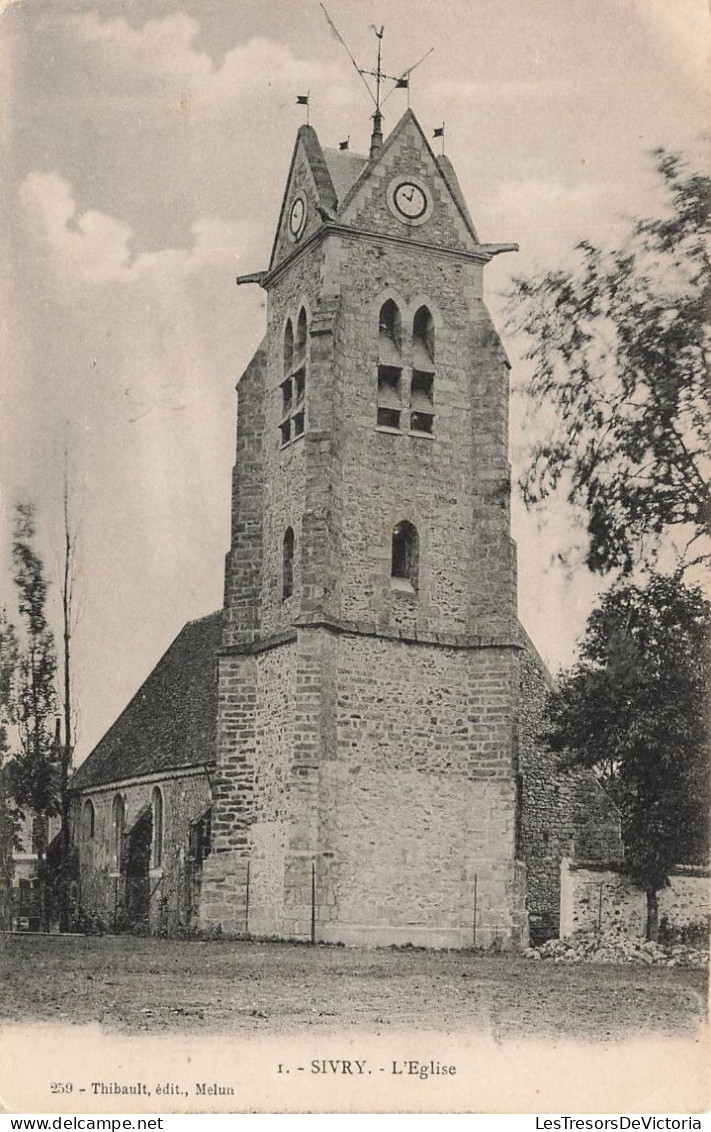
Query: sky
point(145, 151)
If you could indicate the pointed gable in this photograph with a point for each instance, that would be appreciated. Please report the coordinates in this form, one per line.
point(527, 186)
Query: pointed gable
point(309, 178)
point(371, 202)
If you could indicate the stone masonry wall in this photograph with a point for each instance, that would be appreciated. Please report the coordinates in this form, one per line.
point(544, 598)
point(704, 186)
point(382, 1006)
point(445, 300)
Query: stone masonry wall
point(224, 884)
point(563, 813)
point(270, 828)
point(453, 486)
point(284, 468)
point(243, 566)
point(418, 826)
point(185, 798)
point(386, 766)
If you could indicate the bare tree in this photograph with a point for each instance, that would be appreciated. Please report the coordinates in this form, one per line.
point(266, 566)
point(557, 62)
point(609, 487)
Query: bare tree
point(67, 747)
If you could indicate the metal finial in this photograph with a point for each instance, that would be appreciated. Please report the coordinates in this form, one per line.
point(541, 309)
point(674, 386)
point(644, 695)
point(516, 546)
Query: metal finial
point(401, 82)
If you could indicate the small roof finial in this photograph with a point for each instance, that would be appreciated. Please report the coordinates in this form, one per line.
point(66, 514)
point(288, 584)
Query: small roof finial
point(304, 100)
point(400, 82)
point(376, 138)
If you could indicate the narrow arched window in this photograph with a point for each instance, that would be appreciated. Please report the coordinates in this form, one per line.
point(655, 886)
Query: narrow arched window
point(118, 822)
point(422, 410)
point(287, 577)
point(288, 348)
point(405, 556)
point(87, 820)
point(389, 366)
point(300, 347)
point(157, 813)
point(293, 386)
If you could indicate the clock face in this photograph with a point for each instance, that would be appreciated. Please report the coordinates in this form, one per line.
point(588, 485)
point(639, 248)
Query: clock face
point(297, 216)
point(409, 200)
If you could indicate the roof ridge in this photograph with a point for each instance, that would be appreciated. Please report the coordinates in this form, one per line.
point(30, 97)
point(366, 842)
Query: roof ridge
point(347, 152)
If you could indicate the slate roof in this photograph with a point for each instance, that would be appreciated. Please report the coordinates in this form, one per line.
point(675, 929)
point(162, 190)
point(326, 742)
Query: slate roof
point(324, 185)
point(452, 179)
point(345, 168)
point(172, 719)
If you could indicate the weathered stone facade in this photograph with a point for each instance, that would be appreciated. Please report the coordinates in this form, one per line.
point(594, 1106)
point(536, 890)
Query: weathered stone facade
point(162, 897)
point(142, 801)
point(366, 774)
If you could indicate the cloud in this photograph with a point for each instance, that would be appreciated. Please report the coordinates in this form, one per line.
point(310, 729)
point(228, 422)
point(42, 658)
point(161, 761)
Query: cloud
point(538, 196)
point(484, 93)
point(94, 248)
point(161, 51)
point(548, 217)
point(682, 29)
point(159, 48)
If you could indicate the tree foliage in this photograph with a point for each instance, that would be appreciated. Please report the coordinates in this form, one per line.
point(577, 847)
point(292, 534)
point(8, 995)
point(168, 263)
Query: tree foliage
point(633, 708)
point(33, 769)
point(619, 354)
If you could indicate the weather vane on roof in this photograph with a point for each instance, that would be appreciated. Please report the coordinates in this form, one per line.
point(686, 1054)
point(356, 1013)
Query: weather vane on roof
point(401, 82)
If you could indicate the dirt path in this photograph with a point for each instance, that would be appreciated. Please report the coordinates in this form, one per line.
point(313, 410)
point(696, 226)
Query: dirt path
point(163, 985)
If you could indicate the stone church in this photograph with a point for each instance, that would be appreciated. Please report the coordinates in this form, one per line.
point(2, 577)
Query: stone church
point(348, 750)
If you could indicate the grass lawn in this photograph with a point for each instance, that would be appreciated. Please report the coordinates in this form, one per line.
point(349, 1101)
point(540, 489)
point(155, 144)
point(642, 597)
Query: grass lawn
point(137, 984)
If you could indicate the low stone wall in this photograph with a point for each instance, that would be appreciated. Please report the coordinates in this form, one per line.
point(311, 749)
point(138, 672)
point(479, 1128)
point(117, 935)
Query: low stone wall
point(598, 899)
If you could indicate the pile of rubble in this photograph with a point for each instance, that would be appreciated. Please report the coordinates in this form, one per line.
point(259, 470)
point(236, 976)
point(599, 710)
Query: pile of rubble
point(586, 947)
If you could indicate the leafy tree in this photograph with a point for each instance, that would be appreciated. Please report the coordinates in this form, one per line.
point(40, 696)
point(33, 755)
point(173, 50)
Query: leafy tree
point(33, 770)
point(619, 354)
point(633, 708)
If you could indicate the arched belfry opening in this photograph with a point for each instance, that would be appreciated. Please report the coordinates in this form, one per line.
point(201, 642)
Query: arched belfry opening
point(288, 347)
point(422, 411)
point(423, 339)
point(389, 366)
point(293, 384)
point(390, 333)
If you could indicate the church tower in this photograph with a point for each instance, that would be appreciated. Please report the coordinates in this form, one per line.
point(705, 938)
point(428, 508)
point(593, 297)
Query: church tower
point(365, 788)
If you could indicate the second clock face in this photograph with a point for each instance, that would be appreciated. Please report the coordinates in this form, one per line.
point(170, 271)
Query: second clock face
point(297, 217)
point(409, 199)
